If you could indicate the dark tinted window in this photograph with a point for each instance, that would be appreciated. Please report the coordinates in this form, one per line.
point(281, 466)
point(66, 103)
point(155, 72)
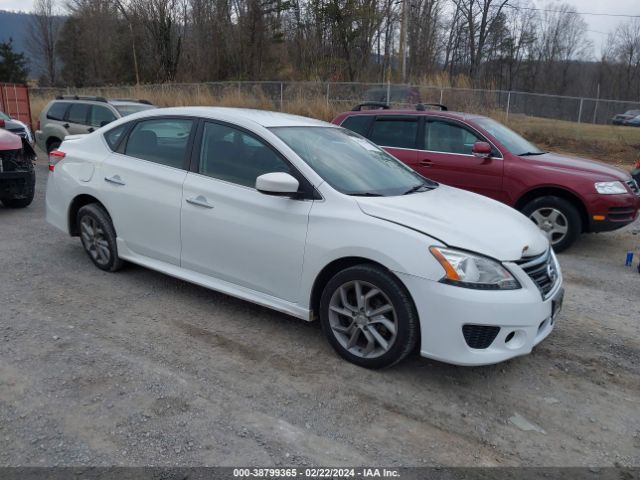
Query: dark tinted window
point(114, 135)
point(449, 138)
point(161, 141)
point(234, 156)
point(358, 123)
point(78, 113)
point(395, 132)
point(100, 116)
point(57, 111)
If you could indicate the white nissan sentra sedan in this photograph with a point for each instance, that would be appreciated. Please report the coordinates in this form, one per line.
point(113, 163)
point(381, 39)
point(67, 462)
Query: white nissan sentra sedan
point(314, 221)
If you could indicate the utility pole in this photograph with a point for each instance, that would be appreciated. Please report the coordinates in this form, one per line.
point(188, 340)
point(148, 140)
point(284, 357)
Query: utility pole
point(403, 39)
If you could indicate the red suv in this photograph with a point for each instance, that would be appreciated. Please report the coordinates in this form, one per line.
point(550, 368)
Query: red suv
point(563, 195)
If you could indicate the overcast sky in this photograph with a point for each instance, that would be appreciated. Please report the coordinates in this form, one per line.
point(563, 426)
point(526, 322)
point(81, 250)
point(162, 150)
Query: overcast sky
point(596, 23)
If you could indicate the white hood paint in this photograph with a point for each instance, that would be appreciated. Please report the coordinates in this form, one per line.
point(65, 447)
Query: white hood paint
point(462, 219)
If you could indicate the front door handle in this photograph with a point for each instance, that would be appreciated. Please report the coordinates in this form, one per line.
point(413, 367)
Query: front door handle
point(425, 162)
point(200, 201)
point(115, 179)
point(66, 125)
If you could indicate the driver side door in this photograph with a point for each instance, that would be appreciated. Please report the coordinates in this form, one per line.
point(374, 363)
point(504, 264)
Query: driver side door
point(231, 231)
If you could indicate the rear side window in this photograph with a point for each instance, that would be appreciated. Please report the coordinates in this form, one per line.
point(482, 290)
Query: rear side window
point(78, 113)
point(100, 116)
point(57, 111)
point(358, 123)
point(398, 132)
point(114, 136)
point(161, 141)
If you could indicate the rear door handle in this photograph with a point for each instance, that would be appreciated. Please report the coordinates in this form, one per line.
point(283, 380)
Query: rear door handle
point(66, 125)
point(425, 162)
point(199, 201)
point(115, 180)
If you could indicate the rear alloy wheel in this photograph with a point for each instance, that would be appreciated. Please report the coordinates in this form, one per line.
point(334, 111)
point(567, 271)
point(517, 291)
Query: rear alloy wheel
point(369, 317)
point(98, 237)
point(558, 219)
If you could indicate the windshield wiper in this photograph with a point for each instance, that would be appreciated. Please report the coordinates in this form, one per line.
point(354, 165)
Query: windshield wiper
point(530, 154)
point(416, 188)
point(365, 194)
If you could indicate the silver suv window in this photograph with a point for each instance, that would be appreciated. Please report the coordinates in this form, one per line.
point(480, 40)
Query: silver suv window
point(57, 111)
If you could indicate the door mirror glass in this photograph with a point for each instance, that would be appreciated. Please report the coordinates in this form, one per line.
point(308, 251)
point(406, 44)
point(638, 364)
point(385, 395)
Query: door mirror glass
point(277, 183)
point(481, 150)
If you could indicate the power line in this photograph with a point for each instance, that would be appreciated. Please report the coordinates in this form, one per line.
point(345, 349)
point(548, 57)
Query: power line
point(572, 12)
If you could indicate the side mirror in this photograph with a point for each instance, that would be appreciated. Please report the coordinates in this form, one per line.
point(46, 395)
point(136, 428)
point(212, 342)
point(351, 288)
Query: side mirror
point(277, 183)
point(481, 150)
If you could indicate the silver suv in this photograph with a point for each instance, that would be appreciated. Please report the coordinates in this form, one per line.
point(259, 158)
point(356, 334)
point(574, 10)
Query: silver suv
point(73, 115)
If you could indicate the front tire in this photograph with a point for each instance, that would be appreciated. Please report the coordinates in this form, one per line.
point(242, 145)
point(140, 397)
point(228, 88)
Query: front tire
point(99, 237)
point(369, 317)
point(558, 219)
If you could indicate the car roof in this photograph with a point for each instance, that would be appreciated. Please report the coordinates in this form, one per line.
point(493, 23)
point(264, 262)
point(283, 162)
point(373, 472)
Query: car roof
point(264, 118)
point(406, 111)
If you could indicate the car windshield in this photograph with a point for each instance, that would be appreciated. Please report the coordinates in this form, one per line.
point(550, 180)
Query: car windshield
point(507, 137)
point(4, 116)
point(351, 164)
point(130, 109)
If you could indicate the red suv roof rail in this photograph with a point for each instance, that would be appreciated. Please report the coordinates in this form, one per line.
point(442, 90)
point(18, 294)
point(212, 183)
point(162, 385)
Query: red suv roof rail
point(382, 105)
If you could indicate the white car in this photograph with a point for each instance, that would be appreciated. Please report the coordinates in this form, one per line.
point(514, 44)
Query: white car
point(314, 221)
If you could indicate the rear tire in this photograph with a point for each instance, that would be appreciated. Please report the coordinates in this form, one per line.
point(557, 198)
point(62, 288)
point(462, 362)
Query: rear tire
point(558, 218)
point(98, 237)
point(369, 317)
point(53, 144)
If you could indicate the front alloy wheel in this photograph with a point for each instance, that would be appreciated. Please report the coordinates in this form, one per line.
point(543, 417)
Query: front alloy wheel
point(363, 319)
point(368, 316)
point(557, 218)
point(552, 222)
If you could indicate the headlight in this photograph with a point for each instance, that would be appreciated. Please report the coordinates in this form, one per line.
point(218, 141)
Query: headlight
point(610, 188)
point(467, 270)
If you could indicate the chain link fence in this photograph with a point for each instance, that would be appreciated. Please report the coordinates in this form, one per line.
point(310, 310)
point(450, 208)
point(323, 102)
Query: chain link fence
point(288, 96)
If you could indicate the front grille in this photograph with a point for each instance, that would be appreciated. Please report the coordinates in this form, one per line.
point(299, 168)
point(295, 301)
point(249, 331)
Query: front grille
point(542, 270)
point(633, 185)
point(479, 336)
point(13, 161)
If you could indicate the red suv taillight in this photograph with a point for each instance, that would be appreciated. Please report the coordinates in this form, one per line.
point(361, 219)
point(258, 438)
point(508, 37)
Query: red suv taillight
point(54, 157)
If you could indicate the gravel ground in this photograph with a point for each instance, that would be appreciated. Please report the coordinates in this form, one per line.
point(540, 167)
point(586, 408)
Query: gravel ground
point(138, 368)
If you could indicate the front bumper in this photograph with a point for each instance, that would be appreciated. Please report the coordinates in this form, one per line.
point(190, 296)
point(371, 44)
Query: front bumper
point(524, 318)
point(617, 210)
point(16, 184)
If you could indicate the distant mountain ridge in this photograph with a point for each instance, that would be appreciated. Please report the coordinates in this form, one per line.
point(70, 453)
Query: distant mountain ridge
point(15, 26)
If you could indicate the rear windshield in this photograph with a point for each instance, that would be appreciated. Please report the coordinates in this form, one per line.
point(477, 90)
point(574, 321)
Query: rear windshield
point(125, 110)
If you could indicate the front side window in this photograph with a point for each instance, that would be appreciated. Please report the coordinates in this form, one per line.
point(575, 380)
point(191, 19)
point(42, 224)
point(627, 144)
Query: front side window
point(507, 137)
point(234, 156)
point(130, 109)
point(449, 138)
point(162, 141)
point(57, 111)
point(78, 113)
point(349, 163)
point(100, 116)
point(399, 132)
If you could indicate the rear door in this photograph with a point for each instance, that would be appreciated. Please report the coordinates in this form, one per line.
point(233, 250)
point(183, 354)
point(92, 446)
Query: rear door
point(77, 119)
point(445, 156)
point(398, 135)
point(142, 185)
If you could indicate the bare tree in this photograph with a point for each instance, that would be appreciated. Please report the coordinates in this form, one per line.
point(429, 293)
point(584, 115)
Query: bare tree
point(45, 29)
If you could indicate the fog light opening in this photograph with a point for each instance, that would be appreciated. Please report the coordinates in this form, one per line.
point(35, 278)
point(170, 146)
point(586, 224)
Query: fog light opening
point(515, 339)
point(509, 337)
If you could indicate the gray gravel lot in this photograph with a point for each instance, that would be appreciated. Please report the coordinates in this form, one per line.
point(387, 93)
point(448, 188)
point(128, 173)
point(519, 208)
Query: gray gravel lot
point(138, 368)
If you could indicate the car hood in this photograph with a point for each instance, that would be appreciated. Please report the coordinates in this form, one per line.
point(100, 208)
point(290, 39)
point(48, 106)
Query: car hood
point(462, 219)
point(9, 141)
point(600, 171)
